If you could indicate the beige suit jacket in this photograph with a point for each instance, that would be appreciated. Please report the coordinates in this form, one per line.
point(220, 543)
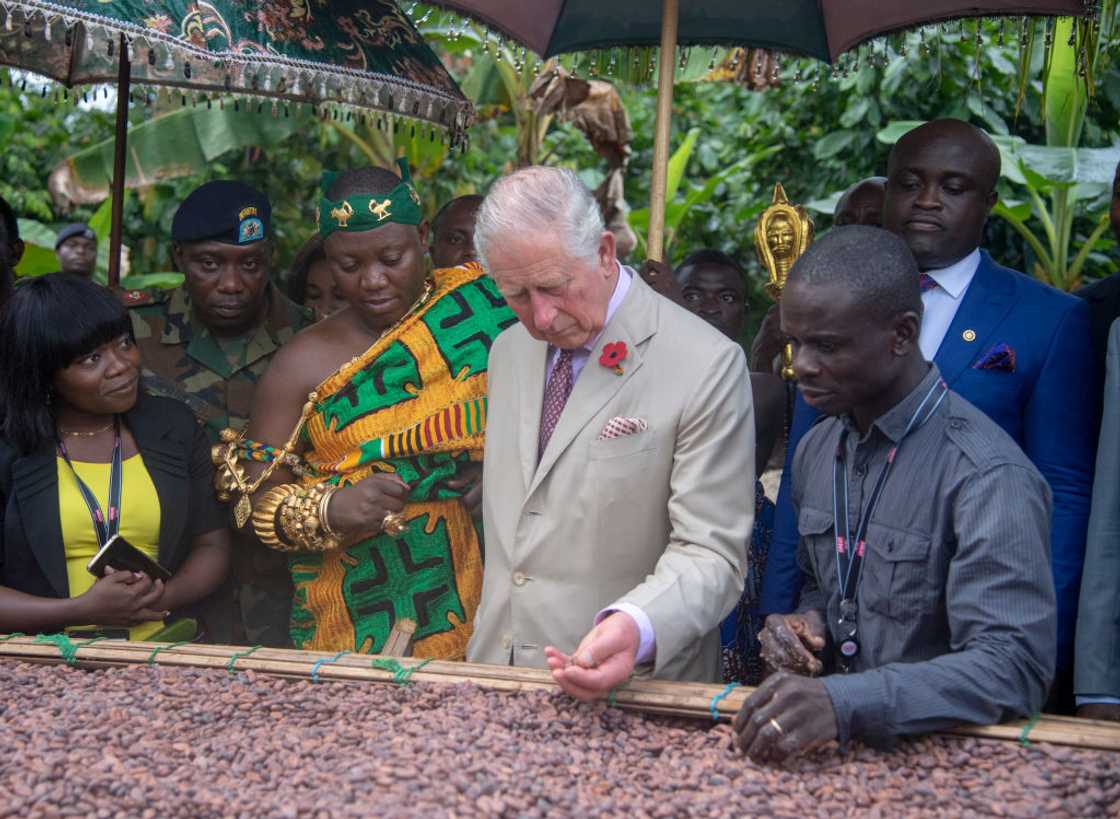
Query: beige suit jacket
point(660, 519)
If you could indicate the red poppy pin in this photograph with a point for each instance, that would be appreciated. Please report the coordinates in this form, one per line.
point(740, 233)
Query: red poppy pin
point(613, 356)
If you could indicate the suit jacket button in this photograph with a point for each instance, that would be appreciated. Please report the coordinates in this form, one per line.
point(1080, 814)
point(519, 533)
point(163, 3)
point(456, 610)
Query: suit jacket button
point(519, 579)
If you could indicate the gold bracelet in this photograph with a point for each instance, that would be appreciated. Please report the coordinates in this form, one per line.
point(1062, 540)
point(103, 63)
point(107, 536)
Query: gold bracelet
point(324, 506)
point(300, 522)
point(264, 515)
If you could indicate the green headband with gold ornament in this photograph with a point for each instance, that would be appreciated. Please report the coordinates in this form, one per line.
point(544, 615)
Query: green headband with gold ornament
point(365, 212)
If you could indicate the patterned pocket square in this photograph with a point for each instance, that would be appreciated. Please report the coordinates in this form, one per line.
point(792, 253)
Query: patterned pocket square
point(1001, 357)
point(619, 426)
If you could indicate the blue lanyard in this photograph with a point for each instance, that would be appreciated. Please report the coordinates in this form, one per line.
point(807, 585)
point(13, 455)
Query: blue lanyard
point(105, 526)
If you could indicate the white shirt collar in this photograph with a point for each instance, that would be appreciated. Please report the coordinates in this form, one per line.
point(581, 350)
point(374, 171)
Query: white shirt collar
point(621, 288)
point(956, 278)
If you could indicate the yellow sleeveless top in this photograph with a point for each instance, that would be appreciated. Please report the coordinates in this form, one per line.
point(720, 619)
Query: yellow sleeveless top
point(140, 517)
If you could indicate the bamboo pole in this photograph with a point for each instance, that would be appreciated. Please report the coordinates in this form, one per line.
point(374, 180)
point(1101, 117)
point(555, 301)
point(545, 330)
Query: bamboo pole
point(689, 700)
point(124, 82)
point(665, 73)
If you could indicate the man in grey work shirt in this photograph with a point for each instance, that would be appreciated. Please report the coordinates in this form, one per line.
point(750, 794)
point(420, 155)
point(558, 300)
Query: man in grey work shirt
point(939, 608)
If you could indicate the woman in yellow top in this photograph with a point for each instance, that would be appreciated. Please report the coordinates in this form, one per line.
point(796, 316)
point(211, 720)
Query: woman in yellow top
point(84, 456)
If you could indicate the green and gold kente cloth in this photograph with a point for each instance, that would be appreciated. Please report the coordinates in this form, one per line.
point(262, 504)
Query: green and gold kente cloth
point(413, 404)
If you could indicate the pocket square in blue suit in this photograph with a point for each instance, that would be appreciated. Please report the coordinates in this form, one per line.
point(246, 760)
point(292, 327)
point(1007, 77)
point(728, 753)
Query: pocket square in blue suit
point(1001, 358)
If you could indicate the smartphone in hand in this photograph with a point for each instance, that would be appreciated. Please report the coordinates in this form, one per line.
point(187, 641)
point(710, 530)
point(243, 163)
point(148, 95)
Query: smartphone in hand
point(122, 556)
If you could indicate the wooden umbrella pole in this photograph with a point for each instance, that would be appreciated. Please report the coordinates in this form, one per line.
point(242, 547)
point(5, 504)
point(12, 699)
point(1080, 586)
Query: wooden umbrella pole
point(120, 146)
point(665, 73)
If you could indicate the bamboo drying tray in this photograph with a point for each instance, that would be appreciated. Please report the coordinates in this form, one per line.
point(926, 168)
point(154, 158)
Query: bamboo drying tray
point(680, 699)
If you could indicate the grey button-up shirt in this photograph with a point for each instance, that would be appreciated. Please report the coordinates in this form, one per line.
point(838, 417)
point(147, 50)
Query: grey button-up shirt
point(957, 617)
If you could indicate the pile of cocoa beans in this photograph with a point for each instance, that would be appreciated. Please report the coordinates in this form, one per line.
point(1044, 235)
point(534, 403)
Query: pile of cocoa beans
point(163, 742)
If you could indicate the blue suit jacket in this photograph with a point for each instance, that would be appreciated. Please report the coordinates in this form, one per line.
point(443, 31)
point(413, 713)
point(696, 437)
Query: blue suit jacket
point(1049, 405)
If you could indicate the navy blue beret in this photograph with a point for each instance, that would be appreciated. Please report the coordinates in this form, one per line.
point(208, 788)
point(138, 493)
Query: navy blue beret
point(223, 211)
point(76, 229)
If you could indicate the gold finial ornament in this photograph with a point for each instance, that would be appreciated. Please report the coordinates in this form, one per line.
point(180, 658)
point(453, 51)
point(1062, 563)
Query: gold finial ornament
point(784, 231)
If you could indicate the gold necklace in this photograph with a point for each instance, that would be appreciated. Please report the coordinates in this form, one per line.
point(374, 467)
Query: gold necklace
point(80, 434)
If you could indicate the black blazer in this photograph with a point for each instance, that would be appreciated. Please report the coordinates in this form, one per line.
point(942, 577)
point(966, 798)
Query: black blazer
point(176, 453)
point(1104, 307)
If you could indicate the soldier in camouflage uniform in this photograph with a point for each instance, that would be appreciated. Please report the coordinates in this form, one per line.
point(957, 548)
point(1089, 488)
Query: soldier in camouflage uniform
point(207, 344)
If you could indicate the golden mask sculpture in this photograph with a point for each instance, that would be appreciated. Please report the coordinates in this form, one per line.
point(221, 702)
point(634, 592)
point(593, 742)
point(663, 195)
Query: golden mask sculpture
point(784, 231)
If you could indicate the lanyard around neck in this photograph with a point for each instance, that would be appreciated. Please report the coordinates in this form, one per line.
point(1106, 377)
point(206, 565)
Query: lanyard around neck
point(849, 551)
point(104, 525)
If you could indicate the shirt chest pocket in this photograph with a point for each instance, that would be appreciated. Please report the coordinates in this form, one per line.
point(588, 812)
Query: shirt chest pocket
point(896, 573)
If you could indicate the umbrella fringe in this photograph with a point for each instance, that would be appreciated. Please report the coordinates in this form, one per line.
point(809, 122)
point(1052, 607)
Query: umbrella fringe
point(298, 81)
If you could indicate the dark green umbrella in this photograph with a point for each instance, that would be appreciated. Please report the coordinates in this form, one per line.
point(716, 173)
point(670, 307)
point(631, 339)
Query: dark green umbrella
point(348, 54)
point(822, 29)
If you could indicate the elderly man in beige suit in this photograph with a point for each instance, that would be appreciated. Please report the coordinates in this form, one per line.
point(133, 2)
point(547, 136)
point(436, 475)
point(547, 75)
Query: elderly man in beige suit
point(617, 490)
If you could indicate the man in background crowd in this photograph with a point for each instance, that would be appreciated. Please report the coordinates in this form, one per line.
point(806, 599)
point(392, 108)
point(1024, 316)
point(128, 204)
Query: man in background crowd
point(207, 344)
point(76, 248)
point(1104, 296)
point(452, 238)
point(862, 203)
point(11, 250)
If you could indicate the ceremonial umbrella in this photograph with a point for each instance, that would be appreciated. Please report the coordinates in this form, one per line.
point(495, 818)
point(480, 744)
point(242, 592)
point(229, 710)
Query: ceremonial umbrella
point(348, 55)
point(822, 29)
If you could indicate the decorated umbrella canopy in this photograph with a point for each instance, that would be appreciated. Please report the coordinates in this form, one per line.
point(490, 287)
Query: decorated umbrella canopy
point(350, 54)
point(821, 29)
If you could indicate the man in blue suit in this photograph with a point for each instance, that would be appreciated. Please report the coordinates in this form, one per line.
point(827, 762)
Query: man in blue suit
point(1012, 346)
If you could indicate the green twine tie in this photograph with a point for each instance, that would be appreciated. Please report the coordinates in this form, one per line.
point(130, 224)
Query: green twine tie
point(612, 694)
point(66, 647)
point(168, 647)
point(714, 707)
point(12, 636)
point(237, 656)
point(325, 661)
point(401, 674)
point(1033, 721)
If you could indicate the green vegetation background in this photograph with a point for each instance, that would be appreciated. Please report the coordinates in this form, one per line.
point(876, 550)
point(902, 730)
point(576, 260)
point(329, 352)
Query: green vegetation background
point(826, 133)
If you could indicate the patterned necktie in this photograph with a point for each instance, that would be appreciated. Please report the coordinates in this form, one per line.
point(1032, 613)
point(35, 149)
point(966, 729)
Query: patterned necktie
point(926, 282)
point(555, 397)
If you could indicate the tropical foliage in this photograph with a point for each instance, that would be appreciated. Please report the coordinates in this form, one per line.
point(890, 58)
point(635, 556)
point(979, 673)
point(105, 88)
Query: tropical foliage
point(814, 132)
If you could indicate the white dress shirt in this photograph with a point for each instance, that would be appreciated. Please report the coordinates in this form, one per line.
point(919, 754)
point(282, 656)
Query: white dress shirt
point(942, 302)
point(580, 355)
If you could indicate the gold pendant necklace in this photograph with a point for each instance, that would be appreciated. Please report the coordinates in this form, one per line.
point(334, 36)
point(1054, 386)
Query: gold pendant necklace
point(80, 434)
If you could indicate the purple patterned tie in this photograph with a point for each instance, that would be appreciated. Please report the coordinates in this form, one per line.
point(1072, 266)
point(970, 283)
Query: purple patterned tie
point(555, 397)
point(926, 282)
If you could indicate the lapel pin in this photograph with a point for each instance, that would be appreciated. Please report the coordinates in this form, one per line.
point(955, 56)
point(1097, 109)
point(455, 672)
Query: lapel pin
point(969, 335)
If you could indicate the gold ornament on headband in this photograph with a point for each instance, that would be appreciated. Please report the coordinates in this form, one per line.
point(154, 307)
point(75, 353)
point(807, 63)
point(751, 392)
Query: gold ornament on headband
point(381, 209)
point(342, 214)
point(360, 212)
point(783, 233)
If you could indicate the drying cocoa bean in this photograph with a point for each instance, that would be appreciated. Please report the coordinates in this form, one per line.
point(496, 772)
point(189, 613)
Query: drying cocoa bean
point(166, 742)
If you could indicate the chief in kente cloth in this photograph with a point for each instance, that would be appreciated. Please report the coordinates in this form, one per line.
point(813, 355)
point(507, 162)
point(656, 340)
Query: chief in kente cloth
point(208, 342)
point(928, 599)
point(367, 431)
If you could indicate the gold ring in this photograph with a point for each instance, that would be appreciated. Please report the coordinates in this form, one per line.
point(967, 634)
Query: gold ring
point(393, 523)
point(777, 727)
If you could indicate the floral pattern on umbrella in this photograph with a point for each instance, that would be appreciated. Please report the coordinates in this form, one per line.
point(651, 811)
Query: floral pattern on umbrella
point(357, 53)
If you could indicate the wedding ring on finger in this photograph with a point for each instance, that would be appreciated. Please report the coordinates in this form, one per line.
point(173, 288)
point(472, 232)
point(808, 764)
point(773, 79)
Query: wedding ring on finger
point(777, 726)
point(393, 523)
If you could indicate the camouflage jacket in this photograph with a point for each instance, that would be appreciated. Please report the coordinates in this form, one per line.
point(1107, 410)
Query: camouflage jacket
point(183, 360)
